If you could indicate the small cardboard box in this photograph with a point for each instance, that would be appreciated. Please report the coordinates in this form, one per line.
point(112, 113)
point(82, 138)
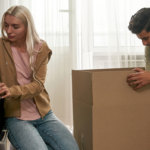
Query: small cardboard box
point(108, 113)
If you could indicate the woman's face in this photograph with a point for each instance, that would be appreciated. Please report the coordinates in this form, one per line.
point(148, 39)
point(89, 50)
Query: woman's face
point(15, 29)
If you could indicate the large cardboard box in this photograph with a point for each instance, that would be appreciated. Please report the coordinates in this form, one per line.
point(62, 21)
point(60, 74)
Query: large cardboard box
point(108, 113)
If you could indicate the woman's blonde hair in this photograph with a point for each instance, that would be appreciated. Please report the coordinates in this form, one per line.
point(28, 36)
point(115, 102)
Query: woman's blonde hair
point(32, 37)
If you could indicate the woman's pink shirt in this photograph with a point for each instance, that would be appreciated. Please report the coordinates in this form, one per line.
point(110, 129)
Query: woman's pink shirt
point(29, 110)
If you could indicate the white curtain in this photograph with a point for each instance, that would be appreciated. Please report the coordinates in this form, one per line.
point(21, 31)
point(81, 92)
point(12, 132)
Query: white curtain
point(103, 36)
point(83, 34)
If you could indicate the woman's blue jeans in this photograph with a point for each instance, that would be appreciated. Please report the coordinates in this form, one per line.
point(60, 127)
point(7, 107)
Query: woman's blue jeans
point(47, 134)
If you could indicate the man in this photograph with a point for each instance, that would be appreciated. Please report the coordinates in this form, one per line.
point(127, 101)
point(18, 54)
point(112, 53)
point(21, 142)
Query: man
point(140, 25)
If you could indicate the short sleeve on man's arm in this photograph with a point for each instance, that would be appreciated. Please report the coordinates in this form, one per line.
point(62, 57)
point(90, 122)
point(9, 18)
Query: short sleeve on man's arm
point(147, 58)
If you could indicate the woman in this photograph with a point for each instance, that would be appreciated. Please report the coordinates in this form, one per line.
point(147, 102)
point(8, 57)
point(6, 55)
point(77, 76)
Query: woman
point(23, 65)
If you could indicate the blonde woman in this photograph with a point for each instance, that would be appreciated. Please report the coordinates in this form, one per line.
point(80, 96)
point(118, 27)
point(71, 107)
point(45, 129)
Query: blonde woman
point(23, 65)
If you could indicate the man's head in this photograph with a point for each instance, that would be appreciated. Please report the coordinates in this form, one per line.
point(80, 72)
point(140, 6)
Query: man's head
point(140, 25)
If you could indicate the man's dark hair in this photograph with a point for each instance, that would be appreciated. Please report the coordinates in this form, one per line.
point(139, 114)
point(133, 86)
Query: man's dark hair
point(140, 21)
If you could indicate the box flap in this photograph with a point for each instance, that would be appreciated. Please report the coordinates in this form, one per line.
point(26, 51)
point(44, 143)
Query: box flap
point(82, 86)
point(82, 83)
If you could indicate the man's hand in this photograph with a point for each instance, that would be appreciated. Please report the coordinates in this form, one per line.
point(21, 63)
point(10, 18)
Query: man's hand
point(140, 78)
point(4, 90)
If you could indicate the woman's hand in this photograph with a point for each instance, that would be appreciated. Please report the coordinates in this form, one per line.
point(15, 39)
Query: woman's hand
point(140, 78)
point(4, 90)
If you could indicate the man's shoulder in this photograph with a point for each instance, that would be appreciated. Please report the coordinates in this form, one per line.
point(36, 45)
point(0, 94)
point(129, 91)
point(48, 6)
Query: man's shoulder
point(147, 49)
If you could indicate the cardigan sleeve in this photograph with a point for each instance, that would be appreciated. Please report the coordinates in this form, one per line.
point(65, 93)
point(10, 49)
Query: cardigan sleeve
point(35, 87)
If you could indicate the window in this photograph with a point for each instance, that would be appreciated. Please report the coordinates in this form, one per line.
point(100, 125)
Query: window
point(103, 33)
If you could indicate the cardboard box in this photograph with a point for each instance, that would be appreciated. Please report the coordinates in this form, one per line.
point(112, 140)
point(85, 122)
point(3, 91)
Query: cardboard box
point(108, 113)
